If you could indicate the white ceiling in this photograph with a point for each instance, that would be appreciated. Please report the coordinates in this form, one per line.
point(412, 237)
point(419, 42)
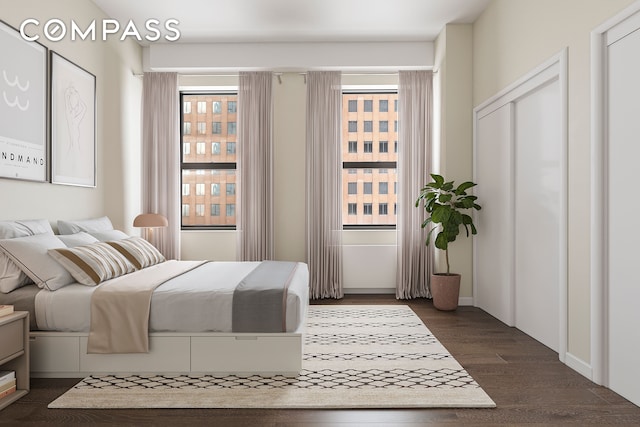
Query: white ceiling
point(213, 21)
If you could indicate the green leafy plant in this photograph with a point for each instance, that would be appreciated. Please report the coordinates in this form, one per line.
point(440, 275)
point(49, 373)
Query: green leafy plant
point(445, 203)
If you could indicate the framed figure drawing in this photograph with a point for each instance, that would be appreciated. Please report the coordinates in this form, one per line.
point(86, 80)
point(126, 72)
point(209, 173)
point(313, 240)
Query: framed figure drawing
point(23, 107)
point(73, 124)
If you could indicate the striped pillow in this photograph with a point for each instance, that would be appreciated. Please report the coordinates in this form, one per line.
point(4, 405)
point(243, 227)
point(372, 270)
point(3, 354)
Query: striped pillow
point(138, 251)
point(92, 264)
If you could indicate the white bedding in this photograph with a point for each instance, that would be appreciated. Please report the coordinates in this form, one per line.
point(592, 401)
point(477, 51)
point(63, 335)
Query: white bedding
point(198, 301)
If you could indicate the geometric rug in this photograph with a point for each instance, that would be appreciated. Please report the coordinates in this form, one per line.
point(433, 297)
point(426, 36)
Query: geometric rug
point(355, 356)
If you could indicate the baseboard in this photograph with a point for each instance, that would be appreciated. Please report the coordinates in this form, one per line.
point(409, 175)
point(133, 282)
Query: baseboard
point(369, 291)
point(465, 301)
point(579, 365)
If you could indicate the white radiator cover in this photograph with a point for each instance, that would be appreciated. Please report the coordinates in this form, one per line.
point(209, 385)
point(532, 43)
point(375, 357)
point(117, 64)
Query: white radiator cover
point(369, 268)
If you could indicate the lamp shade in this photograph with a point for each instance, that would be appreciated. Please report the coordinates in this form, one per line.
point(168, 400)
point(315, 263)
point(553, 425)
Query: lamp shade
point(150, 220)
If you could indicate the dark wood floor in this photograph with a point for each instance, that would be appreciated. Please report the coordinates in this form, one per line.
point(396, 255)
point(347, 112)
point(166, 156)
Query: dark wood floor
point(525, 379)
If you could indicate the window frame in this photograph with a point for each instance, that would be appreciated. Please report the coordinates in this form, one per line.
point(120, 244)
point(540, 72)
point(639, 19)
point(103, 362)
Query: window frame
point(204, 166)
point(365, 90)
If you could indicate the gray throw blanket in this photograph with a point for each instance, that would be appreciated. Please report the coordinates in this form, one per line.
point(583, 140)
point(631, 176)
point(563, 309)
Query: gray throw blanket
point(260, 300)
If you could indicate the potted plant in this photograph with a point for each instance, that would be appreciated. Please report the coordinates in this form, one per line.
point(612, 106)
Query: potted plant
point(445, 204)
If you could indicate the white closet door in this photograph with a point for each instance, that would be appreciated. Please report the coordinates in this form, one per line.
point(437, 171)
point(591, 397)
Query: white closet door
point(493, 247)
point(624, 207)
point(538, 178)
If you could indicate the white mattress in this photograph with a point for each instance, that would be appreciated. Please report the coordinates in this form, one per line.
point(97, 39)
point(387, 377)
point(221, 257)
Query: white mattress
point(197, 301)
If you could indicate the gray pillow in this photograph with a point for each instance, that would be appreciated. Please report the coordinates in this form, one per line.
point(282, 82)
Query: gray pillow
point(88, 225)
point(23, 228)
point(31, 255)
point(105, 236)
point(77, 239)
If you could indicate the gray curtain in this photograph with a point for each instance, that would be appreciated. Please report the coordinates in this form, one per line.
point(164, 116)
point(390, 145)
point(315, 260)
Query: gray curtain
point(324, 184)
point(415, 105)
point(161, 157)
point(255, 165)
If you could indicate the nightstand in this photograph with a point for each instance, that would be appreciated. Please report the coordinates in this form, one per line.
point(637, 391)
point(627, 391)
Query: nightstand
point(14, 352)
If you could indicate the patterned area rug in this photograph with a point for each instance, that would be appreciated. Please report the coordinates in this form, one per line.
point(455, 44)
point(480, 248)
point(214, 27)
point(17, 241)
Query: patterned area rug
point(354, 357)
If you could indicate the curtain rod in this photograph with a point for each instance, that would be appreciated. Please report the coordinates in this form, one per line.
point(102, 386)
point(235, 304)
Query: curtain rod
point(279, 73)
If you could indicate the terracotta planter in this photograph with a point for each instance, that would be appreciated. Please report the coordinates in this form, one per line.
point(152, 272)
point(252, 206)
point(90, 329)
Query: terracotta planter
point(445, 290)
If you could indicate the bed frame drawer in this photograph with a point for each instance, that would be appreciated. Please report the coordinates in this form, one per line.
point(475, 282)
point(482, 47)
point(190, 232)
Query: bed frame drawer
point(237, 354)
point(54, 353)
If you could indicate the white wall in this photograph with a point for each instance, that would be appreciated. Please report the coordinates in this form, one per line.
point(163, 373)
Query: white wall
point(118, 124)
point(514, 36)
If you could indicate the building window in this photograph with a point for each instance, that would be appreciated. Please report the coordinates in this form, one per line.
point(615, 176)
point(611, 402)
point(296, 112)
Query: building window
point(368, 146)
point(231, 210)
point(231, 128)
point(368, 158)
point(395, 147)
point(353, 146)
point(352, 188)
point(353, 105)
point(395, 105)
point(186, 128)
point(232, 107)
point(186, 107)
point(209, 172)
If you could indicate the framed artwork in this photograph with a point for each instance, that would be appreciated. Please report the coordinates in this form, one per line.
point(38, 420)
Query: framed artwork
point(73, 123)
point(23, 107)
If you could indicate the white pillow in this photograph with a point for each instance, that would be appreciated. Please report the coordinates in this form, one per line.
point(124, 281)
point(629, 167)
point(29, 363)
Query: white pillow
point(92, 264)
point(30, 254)
point(88, 225)
point(105, 236)
point(23, 228)
point(11, 277)
point(77, 239)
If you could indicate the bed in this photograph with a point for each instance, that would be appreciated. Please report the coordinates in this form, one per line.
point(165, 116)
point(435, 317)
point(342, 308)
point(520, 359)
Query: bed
point(195, 321)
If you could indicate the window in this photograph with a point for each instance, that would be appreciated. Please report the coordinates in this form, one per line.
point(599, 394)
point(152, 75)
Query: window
point(186, 107)
point(395, 105)
point(186, 129)
point(202, 128)
point(368, 146)
point(353, 146)
point(209, 177)
point(368, 188)
point(353, 105)
point(369, 163)
point(232, 107)
point(352, 188)
point(383, 187)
